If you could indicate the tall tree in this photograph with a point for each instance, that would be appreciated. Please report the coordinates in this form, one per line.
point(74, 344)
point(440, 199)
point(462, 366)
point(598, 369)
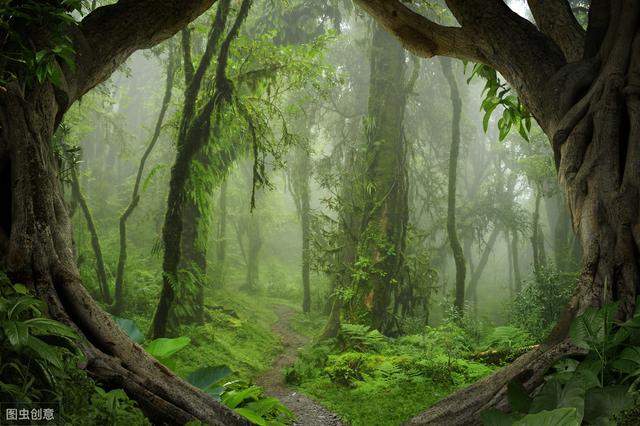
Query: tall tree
point(300, 177)
point(35, 218)
point(120, 288)
point(193, 134)
point(383, 233)
point(452, 231)
point(580, 87)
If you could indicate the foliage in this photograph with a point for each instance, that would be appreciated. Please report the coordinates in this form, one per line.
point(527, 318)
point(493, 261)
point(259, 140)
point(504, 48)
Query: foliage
point(250, 402)
point(507, 338)
point(538, 305)
point(359, 338)
point(34, 349)
point(40, 363)
point(596, 389)
point(19, 24)
point(497, 93)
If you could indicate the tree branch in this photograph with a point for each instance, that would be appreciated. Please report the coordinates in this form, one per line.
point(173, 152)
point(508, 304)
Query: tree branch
point(555, 19)
point(110, 34)
point(420, 35)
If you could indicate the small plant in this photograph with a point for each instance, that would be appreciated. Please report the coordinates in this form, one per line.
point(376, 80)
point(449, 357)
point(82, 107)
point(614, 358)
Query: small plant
point(596, 389)
point(359, 338)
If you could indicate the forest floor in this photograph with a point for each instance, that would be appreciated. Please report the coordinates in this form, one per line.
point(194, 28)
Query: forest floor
point(307, 411)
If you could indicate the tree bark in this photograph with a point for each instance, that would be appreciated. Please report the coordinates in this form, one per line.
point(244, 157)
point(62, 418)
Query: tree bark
point(386, 204)
point(452, 231)
point(537, 238)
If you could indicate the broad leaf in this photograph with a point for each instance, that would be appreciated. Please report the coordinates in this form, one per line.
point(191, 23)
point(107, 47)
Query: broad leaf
point(164, 348)
point(606, 402)
point(493, 417)
point(251, 416)
point(206, 377)
point(560, 417)
point(519, 399)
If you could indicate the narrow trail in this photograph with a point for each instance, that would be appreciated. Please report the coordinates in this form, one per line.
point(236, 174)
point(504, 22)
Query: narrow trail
point(307, 411)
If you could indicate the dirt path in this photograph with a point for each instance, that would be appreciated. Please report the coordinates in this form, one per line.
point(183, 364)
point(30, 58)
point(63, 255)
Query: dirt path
point(307, 411)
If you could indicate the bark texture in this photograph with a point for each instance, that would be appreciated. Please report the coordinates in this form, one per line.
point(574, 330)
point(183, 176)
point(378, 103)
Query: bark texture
point(386, 204)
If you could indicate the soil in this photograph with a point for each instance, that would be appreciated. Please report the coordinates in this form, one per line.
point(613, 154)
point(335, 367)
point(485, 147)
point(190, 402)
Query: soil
point(307, 411)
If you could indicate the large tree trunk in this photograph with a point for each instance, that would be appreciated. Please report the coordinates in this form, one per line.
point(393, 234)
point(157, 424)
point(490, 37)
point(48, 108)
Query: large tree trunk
point(452, 231)
point(595, 140)
point(40, 255)
point(386, 206)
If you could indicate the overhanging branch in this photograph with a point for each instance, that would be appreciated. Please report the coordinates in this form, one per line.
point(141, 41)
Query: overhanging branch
point(420, 35)
point(110, 34)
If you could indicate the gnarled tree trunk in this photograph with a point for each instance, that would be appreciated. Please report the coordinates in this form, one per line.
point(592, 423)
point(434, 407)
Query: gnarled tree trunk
point(584, 91)
point(40, 256)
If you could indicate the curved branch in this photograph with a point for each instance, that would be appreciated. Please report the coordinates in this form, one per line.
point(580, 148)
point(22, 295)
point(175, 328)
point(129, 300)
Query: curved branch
point(556, 19)
point(110, 34)
point(420, 35)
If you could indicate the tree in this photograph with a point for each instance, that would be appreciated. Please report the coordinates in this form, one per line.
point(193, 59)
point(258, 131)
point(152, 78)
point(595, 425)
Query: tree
point(35, 218)
point(384, 226)
point(452, 231)
point(193, 134)
point(120, 289)
point(581, 87)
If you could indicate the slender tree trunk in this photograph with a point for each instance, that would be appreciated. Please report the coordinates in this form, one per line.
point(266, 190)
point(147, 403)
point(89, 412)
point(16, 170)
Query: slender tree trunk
point(516, 261)
point(537, 238)
point(101, 270)
point(254, 243)
point(482, 263)
point(507, 242)
point(120, 289)
point(221, 235)
point(452, 231)
point(193, 135)
point(300, 191)
point(306, 256)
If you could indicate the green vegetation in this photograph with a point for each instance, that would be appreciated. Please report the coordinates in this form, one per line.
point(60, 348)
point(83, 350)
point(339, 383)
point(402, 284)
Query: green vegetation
point(276, 212)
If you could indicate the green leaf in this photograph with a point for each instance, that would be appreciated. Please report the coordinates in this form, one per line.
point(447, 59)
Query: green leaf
point(130, 327)
point(591, 329)
point(560, 417)
point(235, 397)
point(519, 399)
point(251, 416)
point(606, 402)
point(554, 395)
point(164, 348)
point(206, 377)
point(493, 417)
